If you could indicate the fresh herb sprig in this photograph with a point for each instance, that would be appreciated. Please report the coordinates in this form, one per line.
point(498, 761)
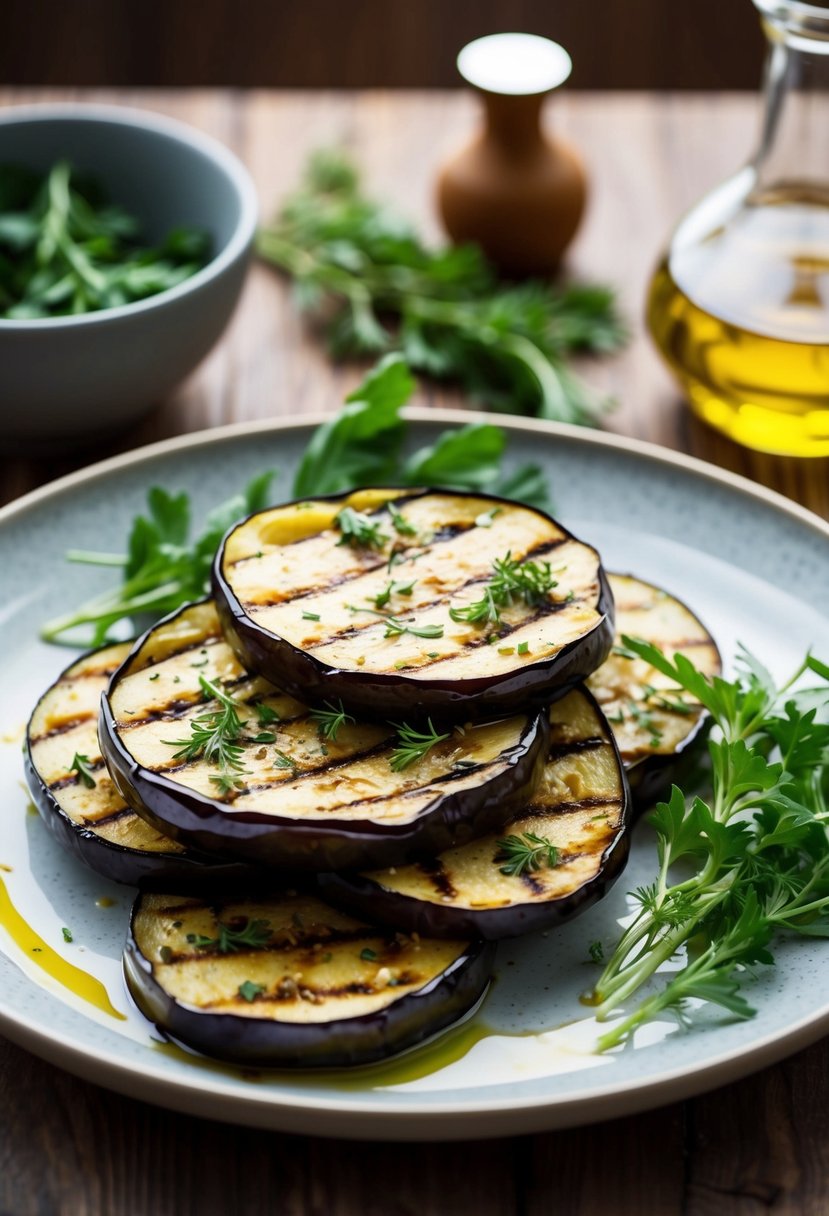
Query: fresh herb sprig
point(162, 568)
point(506, 345)
point(243, 935)
point(512, 580)
point(525, 853)
point(330, 719)
point(755, 855)
point(362, 445)
point(215, 738)
point(413, 745)
point(359, 530)
point(65, 250)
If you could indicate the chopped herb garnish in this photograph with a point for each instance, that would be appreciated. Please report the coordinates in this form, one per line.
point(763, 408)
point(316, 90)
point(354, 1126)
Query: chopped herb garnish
point(264, 736)
point(310, 616)
point(596, 952)
point(359, 530)
point(264, 713)
point(413, 745)
point(330, 719)
point(525, 853)
point(523, 648)
point(166, 954)
point(67, 934)
point(382, 598)
point(395, 627)
point(283, 761)
point(82, 765)
point(252, 934)
point(249, 991)
point(157, 676)
point(215, 738)
point(512, 580)
point(401, 524)
point(368, 955)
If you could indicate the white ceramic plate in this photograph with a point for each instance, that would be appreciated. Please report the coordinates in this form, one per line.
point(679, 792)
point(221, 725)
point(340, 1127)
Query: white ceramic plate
point(752, 565)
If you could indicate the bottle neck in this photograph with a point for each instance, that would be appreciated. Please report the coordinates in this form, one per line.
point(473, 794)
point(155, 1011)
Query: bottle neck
point(793, 157)
point(513, 123)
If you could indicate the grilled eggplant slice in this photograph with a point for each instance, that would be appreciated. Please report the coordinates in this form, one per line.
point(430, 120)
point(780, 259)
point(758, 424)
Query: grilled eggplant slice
point(579, 810)
point(366, 598)
point(301, 799)
point(289, 982)
point(656, 725)
point(83, 809)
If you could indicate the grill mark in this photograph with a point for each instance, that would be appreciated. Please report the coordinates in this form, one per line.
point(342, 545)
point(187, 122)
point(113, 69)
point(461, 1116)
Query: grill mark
point(111, 817)
point(442, 536)
point(293, 941)
point(87, 673)
point(328, 766)
point(210, 639)
point(560, 751)
point(414, 792)
point(434, 870)
point(63, 783)
point(537, 810)
point(503, 628)
point(530, 881)
point(320, 995)
point(175, 711)
point(65, 727)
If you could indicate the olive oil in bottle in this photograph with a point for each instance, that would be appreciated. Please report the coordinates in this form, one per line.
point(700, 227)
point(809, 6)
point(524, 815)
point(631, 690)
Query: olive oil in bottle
point(739, 305)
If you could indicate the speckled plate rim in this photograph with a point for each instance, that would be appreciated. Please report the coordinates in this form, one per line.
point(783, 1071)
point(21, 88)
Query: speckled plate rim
point(441, 1118)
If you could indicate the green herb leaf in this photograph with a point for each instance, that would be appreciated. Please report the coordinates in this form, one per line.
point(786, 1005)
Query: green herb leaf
point(329, 720)
point(413, 745)
point(359, 530)
point(83, 767)
point(524, 853)
point(240, 935)
point(249, 991)
point(506, 345)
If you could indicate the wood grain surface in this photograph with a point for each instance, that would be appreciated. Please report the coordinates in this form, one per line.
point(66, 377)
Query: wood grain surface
point(639, 44)
point(758, 1146)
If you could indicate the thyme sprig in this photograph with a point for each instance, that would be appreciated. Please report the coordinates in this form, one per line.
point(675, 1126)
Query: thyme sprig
point(240, 935)
point(525, 853)
point(330, 719)
point(512, 580)
point(216, 738)
point(413, 744)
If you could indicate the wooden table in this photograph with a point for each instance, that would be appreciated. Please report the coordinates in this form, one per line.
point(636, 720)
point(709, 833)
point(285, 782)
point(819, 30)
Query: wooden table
point(761, 1145)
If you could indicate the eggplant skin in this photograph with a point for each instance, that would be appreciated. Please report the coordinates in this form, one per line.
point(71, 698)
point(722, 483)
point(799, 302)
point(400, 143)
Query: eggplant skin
point(645, 610)
point(144, 868)
point(450, 805)
point(382, 695)
point(282, 843)
point(365, 895)
point(342, 1043)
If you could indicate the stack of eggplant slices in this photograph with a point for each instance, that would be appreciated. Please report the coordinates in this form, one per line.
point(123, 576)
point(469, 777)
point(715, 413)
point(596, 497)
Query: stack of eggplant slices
point(401, 730)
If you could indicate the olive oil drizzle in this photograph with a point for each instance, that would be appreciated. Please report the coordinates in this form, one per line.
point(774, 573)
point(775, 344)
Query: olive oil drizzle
point(410, 1065)
point(39, 952)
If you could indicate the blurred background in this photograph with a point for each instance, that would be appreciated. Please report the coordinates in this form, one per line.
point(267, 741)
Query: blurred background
point(615, 44)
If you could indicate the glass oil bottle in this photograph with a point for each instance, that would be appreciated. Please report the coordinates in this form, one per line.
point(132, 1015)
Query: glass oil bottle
point(739, 306)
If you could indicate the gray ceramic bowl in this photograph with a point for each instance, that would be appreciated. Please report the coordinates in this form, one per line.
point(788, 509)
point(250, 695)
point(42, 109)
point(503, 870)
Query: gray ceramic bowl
point(75, 377)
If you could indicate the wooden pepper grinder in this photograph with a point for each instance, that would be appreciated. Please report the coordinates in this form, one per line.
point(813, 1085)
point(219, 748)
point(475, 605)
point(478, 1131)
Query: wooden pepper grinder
point(514, 190)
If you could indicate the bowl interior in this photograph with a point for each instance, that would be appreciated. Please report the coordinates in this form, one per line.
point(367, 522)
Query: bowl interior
point(164, 181)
